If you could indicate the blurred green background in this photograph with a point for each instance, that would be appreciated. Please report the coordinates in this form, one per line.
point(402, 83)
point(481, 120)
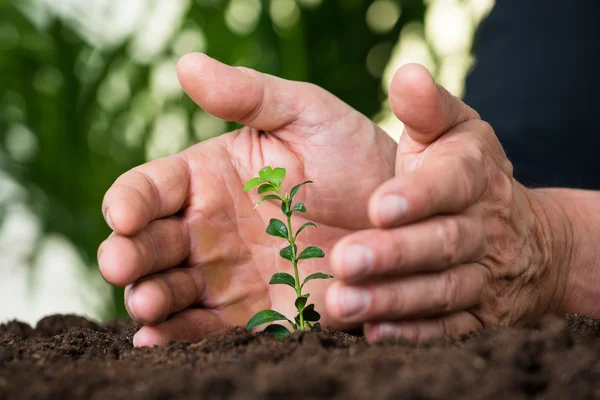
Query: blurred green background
point(88, 90)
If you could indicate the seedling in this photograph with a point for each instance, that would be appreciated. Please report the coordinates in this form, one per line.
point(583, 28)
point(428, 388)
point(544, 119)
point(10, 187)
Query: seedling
point(269, 180)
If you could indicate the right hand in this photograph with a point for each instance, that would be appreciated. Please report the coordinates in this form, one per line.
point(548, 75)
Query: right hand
point(187, 243)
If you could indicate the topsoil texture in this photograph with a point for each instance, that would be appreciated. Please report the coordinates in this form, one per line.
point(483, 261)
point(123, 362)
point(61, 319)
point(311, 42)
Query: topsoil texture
point(68, 357)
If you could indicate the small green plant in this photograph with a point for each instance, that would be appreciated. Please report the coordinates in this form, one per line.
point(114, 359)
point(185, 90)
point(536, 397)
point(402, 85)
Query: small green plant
point(269, 180)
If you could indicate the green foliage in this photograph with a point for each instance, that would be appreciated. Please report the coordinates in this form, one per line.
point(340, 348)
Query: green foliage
point(279, 331)
point(264, 316)
point(311, 252)
point(283, 278)
point(316, 275)
point(54, 80)
point(270, 180)
point(277, 228)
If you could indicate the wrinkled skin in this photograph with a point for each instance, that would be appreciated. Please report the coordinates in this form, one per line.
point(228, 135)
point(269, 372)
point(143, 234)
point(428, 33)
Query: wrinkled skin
point(187, 240)
point(461, 245)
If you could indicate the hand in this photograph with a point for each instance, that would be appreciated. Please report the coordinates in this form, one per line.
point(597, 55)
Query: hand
point(460, 243)
point(187, 242)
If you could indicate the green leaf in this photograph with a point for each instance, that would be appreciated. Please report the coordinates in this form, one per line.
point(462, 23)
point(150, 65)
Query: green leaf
point(264, 316)
point(300, 302)
point(311, 252)
point(283, 278)
point(277, 176)
point(316, 275)
point(287, 253)
point(267, 187)
point(297, 319)
point(310, 314)
point(252, 183)
point(279, 331)
point(268, 197)
point(297, 187)
point(304, 226)
point(298, 207)
point(285, 207)
point(265, 173)
point(277, 228)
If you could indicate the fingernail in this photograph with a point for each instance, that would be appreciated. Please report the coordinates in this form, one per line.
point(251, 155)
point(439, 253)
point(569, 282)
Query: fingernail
point(358, 260)
point(353, 301)
point(391, 208)
point(388, 331)
point(128, 302)
point(108, 219)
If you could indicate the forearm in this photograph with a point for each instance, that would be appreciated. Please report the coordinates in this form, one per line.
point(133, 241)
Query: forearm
point(573, 224)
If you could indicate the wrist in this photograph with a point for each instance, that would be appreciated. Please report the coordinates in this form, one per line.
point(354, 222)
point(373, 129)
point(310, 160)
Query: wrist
point(555, 243)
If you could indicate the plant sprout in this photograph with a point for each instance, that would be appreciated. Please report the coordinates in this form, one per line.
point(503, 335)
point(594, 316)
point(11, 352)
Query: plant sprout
point(269, 180)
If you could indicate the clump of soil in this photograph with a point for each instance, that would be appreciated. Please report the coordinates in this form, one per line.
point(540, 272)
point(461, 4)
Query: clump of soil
point(69, 357)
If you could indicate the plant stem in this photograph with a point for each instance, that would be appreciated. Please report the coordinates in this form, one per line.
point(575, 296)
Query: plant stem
point(292, 240)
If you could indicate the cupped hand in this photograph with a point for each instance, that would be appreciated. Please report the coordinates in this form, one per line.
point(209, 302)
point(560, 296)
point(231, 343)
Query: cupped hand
point(459, 243)
point(188, 244)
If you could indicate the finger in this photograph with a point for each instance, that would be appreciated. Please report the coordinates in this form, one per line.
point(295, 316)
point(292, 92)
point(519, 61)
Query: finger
point(252, 98)
point(424, 330)
point(151, 300)
point(428, 246)
point(153, 190)
point(163, 244)
point(190, 325)
point(416, 296)
point(426, 108)
point(448, 184)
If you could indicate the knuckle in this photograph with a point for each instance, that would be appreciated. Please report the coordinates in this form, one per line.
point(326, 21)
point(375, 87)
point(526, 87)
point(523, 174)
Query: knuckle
point(446, 297)
point(391, 300)
point(450, 236)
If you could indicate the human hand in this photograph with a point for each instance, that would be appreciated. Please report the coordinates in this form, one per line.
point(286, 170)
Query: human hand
point(460, 244)
point(188, 244)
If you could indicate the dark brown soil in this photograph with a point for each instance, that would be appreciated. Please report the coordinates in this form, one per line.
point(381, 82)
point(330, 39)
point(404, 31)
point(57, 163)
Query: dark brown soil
point(68, 357)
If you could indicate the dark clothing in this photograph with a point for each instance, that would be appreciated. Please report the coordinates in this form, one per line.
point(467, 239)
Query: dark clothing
point(536, 82)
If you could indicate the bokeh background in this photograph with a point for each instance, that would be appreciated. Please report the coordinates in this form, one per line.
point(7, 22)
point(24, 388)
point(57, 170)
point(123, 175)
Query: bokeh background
point(88, 90)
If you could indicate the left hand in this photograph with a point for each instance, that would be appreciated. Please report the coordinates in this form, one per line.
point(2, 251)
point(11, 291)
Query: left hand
point(460, 243)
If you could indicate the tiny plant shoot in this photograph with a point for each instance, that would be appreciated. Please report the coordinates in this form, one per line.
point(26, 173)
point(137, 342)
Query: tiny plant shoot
point(269, 182)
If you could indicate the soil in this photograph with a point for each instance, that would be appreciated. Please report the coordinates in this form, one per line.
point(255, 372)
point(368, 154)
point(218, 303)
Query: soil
point(69, 357)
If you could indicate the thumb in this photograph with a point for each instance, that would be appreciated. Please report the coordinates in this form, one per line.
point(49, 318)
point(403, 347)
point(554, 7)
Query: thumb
point(426, 108)
point(251, 98)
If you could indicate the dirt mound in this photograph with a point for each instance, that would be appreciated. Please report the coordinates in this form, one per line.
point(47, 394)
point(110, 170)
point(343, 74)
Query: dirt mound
point(69, 357)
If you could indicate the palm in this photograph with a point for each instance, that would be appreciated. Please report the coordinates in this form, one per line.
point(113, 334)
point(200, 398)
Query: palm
point(235, 255)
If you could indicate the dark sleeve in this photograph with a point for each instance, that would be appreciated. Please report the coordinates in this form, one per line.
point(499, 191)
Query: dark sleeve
point(536, 82)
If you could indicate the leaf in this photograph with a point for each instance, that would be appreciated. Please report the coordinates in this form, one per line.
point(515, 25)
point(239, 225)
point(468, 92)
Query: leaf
point(264, 316)
point(283, 278)
point(267, 187)
point(300, 302)
point(298, 207)
point(277, 228)
point(316, 327)
point(311, 252)
point(287, 253)
point(297, 319)
point(310, 314)
point(316, 275)
point(265, 173)
point(279, 331)
point(252, 183)
point(304, 226)
point(285, 207)
point(267, 197)
point(297, 187)
point(277, 176)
